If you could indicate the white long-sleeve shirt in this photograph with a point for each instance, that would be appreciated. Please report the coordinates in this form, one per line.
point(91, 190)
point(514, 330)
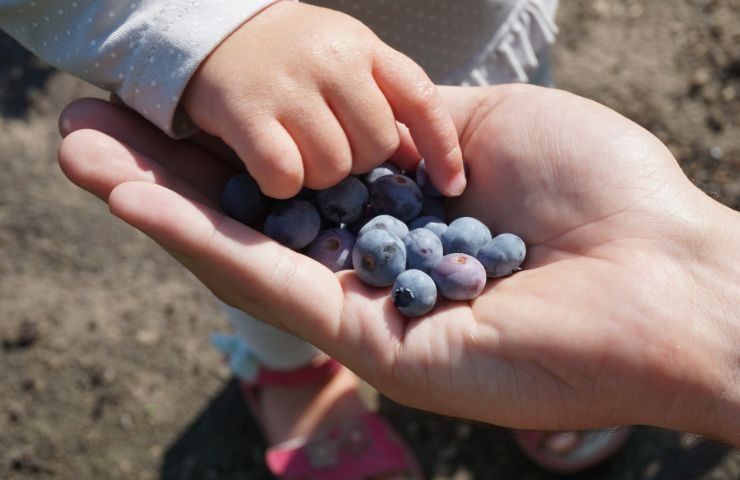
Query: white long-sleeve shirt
point(146, 51)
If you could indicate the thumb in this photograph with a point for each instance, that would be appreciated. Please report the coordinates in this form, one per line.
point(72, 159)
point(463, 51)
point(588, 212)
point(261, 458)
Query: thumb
point(241, 266)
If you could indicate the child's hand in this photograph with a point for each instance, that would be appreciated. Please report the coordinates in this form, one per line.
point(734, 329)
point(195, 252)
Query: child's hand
point(306, 95)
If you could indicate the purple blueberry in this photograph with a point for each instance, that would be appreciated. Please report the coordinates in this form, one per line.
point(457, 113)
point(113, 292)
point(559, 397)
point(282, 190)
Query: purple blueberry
point(433, 224)
point(396, 195)
point(294, 223)
point(386, 168)
point(465, 235)
point(414, 293)
point(423, 249)
point(386, 222)
point(503, 255)
point(425, 182)
point(434, 207)
point(379, 257)
point(345, 202)
point(333, 249)
point(459, 276)
point(243, 200)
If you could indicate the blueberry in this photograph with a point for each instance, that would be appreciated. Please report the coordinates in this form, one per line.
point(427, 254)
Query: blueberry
point(333, 249)
point(396, 195)
point(431, 223)
point(433, 206)
point(294, 223)
point(386, 168)
point(424, 181)
point(503, 255)
point(243, 200)
point(379, 257)
point(414, 293)
point(386, 222)
point(344, 202)
point(306, 194)
point(423, 249)
point(459, 276)
point(465, 235)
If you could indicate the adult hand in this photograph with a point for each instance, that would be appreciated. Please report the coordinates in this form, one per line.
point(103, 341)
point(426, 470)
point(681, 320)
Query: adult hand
point(626, 312)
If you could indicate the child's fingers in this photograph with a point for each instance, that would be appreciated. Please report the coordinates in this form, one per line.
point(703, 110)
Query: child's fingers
point(98, 163)
point(406, 155)
point(206, 172)
point(325, 151)
point(270, 154)
point(415, 102)
point(368, 122)
point(241, 266)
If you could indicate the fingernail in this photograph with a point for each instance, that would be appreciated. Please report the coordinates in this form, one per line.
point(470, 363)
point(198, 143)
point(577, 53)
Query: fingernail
point(457, 185)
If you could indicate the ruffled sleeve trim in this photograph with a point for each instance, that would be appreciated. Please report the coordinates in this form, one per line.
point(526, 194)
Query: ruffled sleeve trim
point(529, 29)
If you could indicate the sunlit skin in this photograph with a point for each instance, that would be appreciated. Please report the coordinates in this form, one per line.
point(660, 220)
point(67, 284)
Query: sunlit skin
point(325, 102)
point(625, 312)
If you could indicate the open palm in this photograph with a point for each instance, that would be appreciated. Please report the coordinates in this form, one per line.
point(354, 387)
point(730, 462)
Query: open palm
point(583, 337)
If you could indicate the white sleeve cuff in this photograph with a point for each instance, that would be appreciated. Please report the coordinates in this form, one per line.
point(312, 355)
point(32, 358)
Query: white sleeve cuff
point(171, 48)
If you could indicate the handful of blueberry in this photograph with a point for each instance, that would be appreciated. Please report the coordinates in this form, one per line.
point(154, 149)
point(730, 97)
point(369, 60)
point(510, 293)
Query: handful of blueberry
point(391, 228)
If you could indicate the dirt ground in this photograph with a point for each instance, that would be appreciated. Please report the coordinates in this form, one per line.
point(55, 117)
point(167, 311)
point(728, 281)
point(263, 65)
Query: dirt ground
point(105, 367)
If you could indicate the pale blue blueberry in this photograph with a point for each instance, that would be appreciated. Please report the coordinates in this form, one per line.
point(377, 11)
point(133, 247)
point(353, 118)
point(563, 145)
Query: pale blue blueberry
point(503, 255)
point(386, 168)
point(431, 223)
point(459, 276)
point(465, 235)
point(414, 293)
point(423, 249)
point(379, 257)
point(333, 249)
point(386, 222)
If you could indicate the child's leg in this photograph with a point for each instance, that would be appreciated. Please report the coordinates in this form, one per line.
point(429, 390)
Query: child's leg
point(271, 348)
point(288, 414)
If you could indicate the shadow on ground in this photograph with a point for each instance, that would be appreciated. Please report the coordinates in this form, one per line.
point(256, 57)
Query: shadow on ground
point(21, 73)
point(223, 442)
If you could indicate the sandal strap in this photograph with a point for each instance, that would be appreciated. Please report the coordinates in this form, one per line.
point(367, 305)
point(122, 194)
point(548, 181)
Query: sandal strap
point(363, 448)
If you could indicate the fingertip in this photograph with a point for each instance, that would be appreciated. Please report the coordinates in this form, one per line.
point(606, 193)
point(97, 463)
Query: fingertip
point(457, 185)
point(77, 115)
point(448, 175)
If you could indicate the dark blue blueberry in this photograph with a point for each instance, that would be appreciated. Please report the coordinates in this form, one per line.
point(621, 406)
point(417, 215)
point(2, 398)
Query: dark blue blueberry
point(345, 202)
point(433, 224)
point(503, 255)
point(386, 168)
point(243, 200)
point(414, 293)
point(425, 182)
point(306, 194)
point(386, 222)
point(465, 235)
point(333, 249)
point(423, 249)
point(379, 257)
point(459, 276)
point(294, 223)
point(434, 207)
point(396, 195)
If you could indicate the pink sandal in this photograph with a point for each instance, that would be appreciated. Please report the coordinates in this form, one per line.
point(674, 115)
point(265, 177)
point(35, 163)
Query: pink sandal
point(361, 448)
point(570, 452)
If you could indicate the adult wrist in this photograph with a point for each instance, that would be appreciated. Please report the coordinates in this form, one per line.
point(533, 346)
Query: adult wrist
point(716, 273)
